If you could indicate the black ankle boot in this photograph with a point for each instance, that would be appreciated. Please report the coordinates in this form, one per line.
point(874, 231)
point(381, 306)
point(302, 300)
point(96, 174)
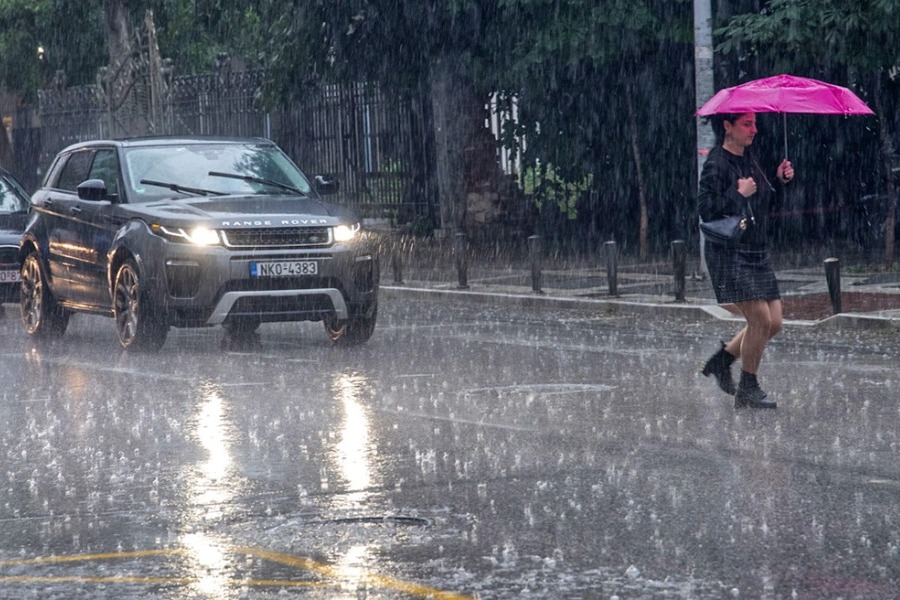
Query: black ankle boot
point(749, 394)
point(719, 365)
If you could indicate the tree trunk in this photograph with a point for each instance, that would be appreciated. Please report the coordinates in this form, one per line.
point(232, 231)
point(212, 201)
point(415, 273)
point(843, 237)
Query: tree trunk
point(117, 78)
point(455, 110)
point(644, 248)
point(887, 153)
point(118, 32)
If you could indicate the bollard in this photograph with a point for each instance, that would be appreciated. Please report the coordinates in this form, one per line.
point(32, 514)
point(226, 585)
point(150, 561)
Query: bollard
point(397, 262)
point(679, 260)
point(833, 278)
point(534, 252)
point(459, 242)
point(612, 274)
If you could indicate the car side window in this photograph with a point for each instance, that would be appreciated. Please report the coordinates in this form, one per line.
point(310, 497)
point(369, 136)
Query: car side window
point(106, 168)
point(75, 171)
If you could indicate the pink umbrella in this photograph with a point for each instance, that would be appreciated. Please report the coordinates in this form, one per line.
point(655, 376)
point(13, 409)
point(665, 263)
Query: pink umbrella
point(785, 94)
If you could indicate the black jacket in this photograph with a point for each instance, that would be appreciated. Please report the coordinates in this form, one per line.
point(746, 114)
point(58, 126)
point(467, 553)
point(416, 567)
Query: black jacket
point(718, 196)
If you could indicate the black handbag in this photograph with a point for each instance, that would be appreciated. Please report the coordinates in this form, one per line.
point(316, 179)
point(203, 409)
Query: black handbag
point(727, 231)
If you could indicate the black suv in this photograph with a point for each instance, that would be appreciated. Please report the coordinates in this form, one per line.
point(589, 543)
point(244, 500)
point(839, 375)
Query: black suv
point(13, 213)
point(192, 232)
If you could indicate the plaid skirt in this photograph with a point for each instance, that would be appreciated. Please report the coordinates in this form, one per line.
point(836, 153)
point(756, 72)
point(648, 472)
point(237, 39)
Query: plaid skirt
point(740, 274)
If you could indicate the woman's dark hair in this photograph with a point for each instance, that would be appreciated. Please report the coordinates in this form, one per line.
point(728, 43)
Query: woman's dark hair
point(717, 121)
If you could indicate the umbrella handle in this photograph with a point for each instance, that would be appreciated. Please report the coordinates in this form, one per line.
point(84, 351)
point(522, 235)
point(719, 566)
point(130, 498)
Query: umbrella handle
point(784, 121)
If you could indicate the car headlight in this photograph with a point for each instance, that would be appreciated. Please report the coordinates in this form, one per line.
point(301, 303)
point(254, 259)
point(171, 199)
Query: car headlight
point(345, 233)
point(199, 236)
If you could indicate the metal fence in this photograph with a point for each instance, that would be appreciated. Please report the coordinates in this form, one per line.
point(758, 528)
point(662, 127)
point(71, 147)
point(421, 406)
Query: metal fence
point(373, 143)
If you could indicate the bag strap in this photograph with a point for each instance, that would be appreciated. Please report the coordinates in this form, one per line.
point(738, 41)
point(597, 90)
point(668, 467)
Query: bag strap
point(749, 210)
point(762, 173)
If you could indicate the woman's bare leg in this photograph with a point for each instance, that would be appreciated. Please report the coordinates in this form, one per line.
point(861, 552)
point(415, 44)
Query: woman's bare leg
point(775, 307)
point(734, 346)
point(776, 310)
point(764, 319)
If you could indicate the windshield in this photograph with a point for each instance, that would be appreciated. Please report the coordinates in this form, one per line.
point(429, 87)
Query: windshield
point(12, 197)
point(189, 166)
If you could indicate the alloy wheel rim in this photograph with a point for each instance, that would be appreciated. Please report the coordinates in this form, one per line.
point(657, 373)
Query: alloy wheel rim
point(32, 294)
point(336, 329)
point(127, 305)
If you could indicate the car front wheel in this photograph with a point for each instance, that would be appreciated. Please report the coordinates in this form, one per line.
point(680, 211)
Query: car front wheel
point(356, 330)
point(137, 325)
point(41, 315)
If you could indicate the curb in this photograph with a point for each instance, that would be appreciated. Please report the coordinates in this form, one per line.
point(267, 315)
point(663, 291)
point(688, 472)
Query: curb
point(609, 306)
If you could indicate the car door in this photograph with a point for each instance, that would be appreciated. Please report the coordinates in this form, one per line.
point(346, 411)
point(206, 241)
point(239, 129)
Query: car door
point(96, 228)
point(83, 229)
point(58, 202)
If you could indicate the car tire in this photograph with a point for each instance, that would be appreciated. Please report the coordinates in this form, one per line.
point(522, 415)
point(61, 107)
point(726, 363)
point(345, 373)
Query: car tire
point(242, 327)
point(354, 331)
point(138, 326)
point(42, 316)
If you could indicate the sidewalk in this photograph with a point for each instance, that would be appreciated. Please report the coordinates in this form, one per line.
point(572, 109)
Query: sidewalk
point(430, 269)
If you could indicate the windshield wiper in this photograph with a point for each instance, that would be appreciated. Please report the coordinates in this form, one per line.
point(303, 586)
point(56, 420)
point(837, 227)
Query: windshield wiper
point(261, 180)
point(182, 188)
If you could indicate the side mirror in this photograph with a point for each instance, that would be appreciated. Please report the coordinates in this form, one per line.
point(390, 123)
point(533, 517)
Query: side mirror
point(326, 186)
point(92, 189)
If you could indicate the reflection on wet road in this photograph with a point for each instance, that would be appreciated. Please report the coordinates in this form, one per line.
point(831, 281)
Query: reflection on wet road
point(465, 451)
point(211, 491)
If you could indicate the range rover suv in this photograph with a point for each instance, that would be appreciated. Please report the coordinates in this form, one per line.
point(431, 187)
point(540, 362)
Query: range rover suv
point(192, 232)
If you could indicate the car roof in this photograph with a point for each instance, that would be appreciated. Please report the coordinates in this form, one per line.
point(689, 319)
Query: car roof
point(167, 140)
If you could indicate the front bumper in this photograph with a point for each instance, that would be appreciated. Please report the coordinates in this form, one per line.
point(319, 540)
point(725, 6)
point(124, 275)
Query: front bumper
point(204, 286)
point(230, 299)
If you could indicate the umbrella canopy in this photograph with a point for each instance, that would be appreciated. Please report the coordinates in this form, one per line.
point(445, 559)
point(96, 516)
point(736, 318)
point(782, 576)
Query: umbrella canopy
point(785, 94)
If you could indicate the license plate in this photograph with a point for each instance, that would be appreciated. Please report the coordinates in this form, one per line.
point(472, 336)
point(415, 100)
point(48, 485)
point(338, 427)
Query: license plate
point(9, 276)
point(284, 268)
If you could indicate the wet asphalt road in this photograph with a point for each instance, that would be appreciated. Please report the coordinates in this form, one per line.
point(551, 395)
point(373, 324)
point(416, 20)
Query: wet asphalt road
point(467, 451)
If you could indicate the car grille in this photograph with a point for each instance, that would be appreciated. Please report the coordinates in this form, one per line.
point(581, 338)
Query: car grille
point(281, 237)
point(9, 255)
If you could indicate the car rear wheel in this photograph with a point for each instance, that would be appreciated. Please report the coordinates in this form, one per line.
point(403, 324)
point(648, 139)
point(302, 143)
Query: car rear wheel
point(41, 315)
point(137, 326)
point(356, 330)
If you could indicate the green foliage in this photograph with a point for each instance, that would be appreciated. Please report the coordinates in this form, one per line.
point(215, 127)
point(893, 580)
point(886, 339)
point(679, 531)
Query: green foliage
point(567, 64)
point(547, 187)
point(26, 25)
point(73, 36)
point(805, 34)
point(195, 33)
point(375, 40)
point(572, 64)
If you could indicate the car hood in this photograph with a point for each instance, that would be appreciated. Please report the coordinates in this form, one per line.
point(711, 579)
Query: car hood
point(243, 211)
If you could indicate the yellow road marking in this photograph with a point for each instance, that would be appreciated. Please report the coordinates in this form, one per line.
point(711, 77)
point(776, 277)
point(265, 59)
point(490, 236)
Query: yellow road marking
point(91, 557)
point(160, 581)
point(298, 562)
point(380, 581)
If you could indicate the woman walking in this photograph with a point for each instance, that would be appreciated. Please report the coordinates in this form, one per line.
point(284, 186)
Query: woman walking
point(741, 274)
